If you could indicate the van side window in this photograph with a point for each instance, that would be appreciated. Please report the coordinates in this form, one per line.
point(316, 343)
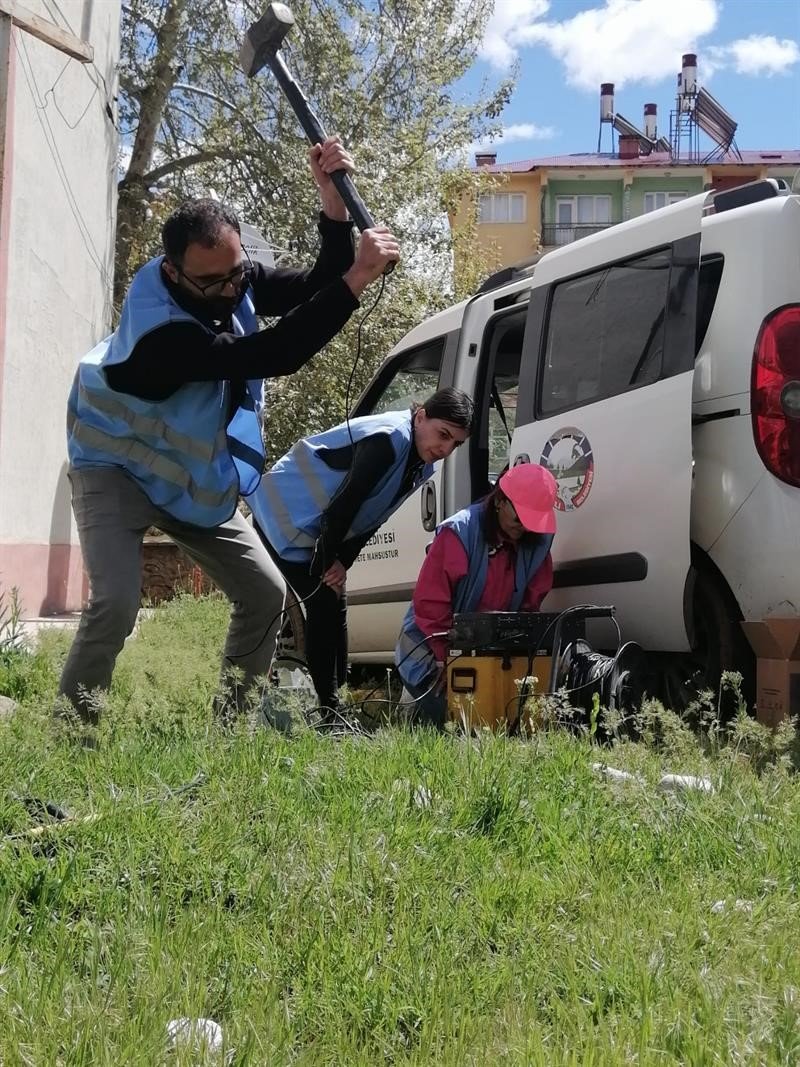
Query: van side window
point(605, 333)
point(410, 378)
point(496, 396)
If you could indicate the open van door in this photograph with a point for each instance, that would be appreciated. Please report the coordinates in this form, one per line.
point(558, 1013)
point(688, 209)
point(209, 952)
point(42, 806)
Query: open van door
point(381, 581)
point(605, 403)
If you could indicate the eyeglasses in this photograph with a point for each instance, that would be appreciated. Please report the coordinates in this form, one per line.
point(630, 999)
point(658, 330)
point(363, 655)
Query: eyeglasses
point(239, 279)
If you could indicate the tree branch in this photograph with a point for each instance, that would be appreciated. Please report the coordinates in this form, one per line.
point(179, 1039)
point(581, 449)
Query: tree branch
point(185, 162)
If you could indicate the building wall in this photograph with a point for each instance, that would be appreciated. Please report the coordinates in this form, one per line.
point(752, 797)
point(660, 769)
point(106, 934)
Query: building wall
point(59, 208)
point(722, 178)
point(510, 242)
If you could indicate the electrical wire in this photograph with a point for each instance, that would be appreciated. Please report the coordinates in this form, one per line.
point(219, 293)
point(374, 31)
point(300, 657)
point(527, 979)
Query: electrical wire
point(303, 600)
point(40, 104)
point(395, 704)
point(280, 615)
point(87, 67)
point(363, 319)
point(523, 694)
point(52, 92)
point(49, 136)
point(338, 714)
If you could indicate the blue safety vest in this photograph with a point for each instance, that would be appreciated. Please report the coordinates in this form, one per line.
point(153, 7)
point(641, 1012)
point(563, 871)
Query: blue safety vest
point(294, 495)
point(413, 656)
point(183, 452)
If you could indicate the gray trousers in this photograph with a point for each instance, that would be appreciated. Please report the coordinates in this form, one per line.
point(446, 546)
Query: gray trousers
point(113, 515)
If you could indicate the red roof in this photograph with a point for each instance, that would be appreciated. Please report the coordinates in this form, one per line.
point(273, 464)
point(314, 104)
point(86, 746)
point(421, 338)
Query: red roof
point(774, 157)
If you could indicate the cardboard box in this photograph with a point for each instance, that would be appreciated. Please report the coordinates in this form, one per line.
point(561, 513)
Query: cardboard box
point(776, 643)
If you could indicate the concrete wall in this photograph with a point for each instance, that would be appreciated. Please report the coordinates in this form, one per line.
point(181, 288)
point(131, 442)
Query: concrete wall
point(58, 208)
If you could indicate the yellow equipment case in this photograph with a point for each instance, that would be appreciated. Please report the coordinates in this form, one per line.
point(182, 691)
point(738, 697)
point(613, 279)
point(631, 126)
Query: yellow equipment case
point(491, 651)
point(484, 690)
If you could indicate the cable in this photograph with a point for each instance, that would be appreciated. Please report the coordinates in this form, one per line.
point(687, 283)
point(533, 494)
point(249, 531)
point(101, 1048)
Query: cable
point(522, 696)
point(107, 108)
point(44, 122)
point(280, 615)
point(609, 667)
point(303, 600)
point(363, 319)
point(402, 703)
point(51, 92)
point(519, 699)
point(360, 703)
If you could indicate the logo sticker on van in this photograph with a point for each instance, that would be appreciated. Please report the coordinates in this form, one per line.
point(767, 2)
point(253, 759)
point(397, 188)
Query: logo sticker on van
point(568, 456)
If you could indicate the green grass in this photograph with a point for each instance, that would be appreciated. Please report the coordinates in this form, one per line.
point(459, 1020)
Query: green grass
point(399, 899)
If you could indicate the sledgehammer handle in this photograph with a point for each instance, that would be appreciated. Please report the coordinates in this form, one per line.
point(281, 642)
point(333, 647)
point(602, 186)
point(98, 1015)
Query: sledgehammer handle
point(315, 133)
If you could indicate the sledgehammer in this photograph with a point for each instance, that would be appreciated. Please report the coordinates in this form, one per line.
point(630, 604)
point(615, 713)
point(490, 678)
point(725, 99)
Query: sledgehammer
point(261, 49)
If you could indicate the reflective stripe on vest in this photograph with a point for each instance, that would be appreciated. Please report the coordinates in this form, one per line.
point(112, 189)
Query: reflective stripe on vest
point(292, 498)
point(415, 665)
point(129, 449)
point(267, 501)
point(150, 426)
point(182, 451)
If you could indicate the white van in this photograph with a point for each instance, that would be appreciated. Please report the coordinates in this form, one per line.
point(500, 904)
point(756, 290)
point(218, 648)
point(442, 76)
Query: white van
point(655, 369)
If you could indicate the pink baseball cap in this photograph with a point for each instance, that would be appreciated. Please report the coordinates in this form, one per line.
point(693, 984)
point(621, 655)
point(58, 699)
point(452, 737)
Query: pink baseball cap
point(532, 490)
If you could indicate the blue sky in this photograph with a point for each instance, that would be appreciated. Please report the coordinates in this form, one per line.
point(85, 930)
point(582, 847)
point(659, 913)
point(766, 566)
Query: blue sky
point(748, 57)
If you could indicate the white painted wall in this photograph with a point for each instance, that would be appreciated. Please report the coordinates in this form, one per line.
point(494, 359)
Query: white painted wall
point(60, 258)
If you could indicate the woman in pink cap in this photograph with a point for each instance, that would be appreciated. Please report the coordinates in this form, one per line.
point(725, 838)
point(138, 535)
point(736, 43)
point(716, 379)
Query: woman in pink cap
point(492, 556)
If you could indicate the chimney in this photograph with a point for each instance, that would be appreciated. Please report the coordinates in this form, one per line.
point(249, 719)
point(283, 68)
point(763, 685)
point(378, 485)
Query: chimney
point(628, 147)
point(485, 159)
point(607, 102)
point(651, 121)
point(689, 73)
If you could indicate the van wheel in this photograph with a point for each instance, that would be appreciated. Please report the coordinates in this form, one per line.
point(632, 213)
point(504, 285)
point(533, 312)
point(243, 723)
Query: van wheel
point(292, 638)
point(719, 645)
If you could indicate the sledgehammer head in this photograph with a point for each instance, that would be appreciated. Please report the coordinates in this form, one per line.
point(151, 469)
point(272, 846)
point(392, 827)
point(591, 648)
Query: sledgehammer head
point(264, 38)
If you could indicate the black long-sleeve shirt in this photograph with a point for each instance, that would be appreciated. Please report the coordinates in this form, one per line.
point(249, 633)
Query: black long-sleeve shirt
point(366, 462)
point(314, 305)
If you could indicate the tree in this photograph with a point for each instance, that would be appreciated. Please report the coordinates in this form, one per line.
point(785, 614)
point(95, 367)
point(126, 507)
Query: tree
point(384, 74)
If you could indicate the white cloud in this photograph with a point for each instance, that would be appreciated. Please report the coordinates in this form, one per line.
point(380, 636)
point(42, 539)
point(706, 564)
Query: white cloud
point(627, 41)
point(622, 41)
point(757, 54)
point(506, 28)
point(518, 131)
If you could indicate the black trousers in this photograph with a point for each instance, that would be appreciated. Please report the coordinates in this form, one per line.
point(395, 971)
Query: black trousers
point(326, 628)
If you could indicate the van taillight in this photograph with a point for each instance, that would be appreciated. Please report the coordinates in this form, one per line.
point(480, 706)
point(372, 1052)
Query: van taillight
point(775, 393)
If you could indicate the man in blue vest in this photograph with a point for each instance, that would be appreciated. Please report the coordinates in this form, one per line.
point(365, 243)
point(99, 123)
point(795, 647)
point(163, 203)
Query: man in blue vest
point(164, 421)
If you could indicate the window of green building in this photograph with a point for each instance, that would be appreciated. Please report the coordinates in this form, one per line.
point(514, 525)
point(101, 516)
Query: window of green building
point(653, 201)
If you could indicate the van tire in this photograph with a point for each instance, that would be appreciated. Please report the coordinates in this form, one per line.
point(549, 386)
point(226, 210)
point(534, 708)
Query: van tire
point(292, 637)
point(719, 645)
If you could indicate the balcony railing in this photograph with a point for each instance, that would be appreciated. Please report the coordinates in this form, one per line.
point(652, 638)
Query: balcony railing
point(554, 234)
